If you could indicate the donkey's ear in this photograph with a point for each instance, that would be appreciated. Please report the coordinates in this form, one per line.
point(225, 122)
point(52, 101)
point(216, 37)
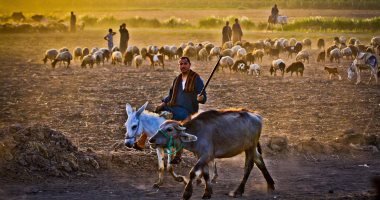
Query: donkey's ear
point(129, 109)
point(140, 110)
point(185, 137)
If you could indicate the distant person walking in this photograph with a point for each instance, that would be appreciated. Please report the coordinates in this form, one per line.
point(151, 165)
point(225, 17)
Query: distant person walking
point(124, 37)
point(73, 21)
point(237, 33)
point(109, 38)
point(226, 33)
point(274, 13)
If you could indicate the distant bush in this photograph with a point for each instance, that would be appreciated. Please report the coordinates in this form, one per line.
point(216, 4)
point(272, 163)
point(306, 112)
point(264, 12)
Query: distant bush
point(174, 22)
point(320, 23)
point(142, 22)
point(217, 22)
point(89, 20)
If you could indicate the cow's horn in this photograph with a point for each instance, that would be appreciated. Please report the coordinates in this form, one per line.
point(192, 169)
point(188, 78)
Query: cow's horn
point(180, 128)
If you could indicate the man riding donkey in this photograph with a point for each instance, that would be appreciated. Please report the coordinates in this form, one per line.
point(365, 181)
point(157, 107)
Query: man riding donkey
point(182, 101)
point(274, 13)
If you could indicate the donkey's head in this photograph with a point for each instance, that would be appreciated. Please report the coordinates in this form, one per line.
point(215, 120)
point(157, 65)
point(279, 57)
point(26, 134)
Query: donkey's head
point(171, 134)
point(133, 126)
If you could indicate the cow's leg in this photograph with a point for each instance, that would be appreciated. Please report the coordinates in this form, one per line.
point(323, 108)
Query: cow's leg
point(171, 171)
point(215, 173)
point(196, 171)
point(247, 170)
point(208, 189)
point(261, 165)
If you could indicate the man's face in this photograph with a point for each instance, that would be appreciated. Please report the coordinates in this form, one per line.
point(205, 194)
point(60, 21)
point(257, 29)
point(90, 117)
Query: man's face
point(184, 65)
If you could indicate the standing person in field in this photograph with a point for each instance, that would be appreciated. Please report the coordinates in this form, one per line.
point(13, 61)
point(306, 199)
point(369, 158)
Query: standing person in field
point(226, 33)
point(73, 21)
point(109, 38)
point(183, 99)
point(274, 13)
point(237, 33)
point(124, 37)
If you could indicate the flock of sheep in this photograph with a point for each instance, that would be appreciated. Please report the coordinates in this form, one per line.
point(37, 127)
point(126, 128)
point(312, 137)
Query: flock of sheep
point(239, 57)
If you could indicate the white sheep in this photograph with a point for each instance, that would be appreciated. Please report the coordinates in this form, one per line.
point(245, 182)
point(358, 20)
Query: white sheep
point(303, 56)
point(375, 41)
point(335, 54)
point(347, 52)
point(203, 54)
point(98, 57)
point(254, 68)
point(85, 52)
point(227, 45)
point(88, 60)
point(292, 41)
point(259, 54)
point(215, 51)
point(235, 49)
point(227, 52)
point(50, 54)
point(117, 57)
point(115, 48)
point(93, 50)
point(64, 56)
point(63, 49)
point(77, 53)
point(226, 62)
point(240, 54)
point(190, 51)
point(137, 60)
point(278, 64)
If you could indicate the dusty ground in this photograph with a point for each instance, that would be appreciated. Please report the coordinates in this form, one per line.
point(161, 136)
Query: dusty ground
point(331, 127)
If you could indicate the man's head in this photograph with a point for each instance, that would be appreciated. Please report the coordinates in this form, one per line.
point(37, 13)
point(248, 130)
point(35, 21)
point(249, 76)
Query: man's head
point(236, 20)
point(275, 5)
point(227, 23)
point(123, 25)
point(72, 12)
point(184, 64)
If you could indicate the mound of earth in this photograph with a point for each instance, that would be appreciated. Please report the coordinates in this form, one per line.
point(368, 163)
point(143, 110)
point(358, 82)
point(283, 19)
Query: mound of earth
point(39, 151)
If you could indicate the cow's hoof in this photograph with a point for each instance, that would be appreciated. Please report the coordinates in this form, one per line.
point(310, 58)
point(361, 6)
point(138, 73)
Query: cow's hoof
point(186, 195)
point(234, 194)
point(270, 187)
point(206, 195)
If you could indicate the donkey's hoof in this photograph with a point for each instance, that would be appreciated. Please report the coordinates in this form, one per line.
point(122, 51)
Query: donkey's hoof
point(156, 185)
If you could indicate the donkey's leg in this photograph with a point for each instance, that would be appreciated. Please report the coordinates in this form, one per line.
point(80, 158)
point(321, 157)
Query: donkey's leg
point(194, 172)
point(247, 170)
point(161, 167)
point(261, 165)
point(208, 189)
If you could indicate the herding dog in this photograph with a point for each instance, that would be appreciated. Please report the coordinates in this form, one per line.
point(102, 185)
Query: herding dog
point(333, 71)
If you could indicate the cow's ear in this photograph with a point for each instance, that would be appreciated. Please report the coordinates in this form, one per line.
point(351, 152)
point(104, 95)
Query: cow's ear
point(129, 109)
point(185, 137)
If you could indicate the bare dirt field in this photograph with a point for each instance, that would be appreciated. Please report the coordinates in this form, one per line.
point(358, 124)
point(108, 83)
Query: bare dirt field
point(320, 137)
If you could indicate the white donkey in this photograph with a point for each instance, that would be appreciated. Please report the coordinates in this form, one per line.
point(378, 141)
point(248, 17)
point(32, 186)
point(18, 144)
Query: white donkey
point(363, 61)
point(144, 121)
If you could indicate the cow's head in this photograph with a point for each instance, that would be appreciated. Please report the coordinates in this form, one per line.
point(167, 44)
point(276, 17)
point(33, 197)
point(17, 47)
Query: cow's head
point(171, 134)
point(133, 126)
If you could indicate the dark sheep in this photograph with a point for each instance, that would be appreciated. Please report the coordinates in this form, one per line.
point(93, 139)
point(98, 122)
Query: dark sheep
point(321, 56)
point(295, 67)
point(321, 43)
point(250, 58)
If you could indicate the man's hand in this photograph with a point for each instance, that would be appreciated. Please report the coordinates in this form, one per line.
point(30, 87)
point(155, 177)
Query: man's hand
point(200, 98)
point(160, 107)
